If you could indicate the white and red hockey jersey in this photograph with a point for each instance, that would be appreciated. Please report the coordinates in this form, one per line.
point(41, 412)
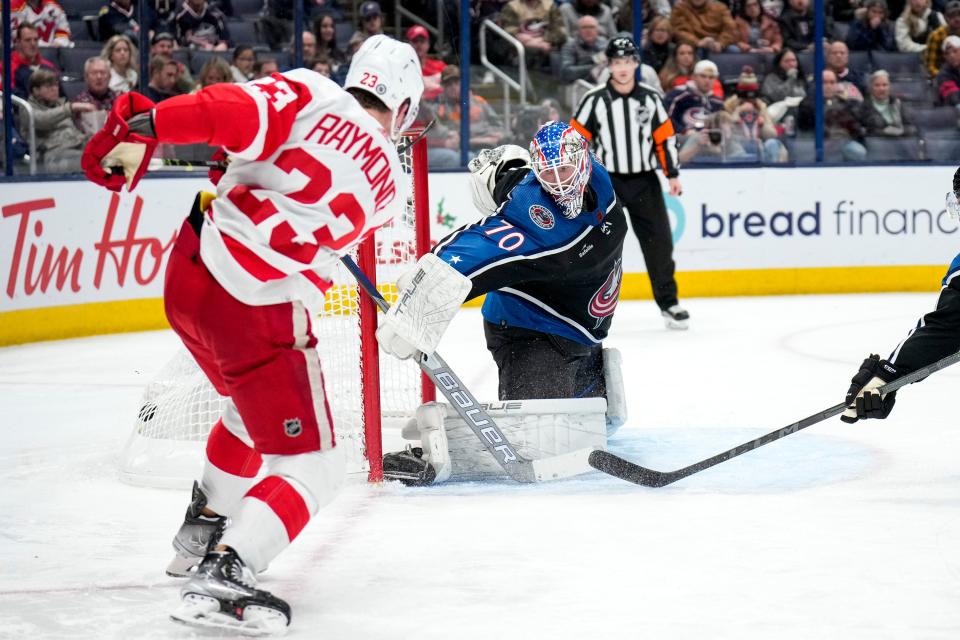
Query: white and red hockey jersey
point(49, 19)
point(311, 174)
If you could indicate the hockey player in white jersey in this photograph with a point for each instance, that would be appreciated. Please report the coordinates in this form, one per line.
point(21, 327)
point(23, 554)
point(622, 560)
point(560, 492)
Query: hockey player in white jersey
point(313, 170)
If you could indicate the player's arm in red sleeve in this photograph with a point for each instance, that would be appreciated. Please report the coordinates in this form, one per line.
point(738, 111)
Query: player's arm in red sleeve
point(250, 120)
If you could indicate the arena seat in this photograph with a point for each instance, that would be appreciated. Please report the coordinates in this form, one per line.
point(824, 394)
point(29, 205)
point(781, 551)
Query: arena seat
point(943, 120)
point(73, 88)
point(243, 32)
point(72, 59)
point(942, 149)
point(899, 64)
point(730, 64)
point(247, 7)
point(883, 149)
point(915, 90)
point(80, 8)
point(200, 58)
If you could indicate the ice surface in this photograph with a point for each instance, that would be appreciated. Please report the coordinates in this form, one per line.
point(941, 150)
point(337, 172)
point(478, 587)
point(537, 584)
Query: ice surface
point(835, 532)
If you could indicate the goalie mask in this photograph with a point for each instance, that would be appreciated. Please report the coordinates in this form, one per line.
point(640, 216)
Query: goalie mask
point(562, 164)
point(391, 71)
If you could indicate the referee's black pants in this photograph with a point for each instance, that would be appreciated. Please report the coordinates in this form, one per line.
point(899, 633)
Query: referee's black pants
point(642, 195)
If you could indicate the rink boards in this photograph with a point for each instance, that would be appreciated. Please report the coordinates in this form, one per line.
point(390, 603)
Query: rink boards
point(78, 260)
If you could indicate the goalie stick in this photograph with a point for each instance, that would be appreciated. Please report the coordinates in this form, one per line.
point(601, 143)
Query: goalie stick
point(472, 412)
point(626, 470)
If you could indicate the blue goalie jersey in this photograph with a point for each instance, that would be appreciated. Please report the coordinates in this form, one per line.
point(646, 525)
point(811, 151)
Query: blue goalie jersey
point(541, 270)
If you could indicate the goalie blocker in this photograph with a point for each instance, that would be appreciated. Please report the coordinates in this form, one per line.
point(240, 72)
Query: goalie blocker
point(449, 451)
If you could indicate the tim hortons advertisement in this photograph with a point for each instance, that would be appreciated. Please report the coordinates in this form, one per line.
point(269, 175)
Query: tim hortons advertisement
point(66, 243)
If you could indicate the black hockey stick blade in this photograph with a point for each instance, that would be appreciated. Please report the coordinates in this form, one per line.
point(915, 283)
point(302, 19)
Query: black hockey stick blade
point(466, 405)
point(625, 470)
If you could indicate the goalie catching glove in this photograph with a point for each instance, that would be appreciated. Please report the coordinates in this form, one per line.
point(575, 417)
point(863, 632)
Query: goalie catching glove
point(126, 141)
point(488, 167)
point(430, 295)
point(863, 400)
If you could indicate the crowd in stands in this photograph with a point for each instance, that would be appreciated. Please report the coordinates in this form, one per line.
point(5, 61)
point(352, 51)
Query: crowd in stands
point(736, 75)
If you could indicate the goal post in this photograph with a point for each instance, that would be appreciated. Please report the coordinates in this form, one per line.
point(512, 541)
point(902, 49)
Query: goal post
point(368, 391)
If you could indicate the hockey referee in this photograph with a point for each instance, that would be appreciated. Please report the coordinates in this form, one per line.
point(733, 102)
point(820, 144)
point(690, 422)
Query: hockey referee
point(630, 132)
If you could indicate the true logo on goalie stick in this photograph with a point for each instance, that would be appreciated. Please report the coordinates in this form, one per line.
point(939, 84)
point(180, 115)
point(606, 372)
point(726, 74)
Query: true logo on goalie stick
point(292, 427)
point(542, 217)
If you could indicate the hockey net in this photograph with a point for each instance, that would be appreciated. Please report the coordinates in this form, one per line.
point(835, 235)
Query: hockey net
point(367, 390)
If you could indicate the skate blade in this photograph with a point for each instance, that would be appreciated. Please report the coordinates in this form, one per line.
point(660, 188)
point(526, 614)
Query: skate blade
point(181, 567)
point(204, 612)
point(676, 325)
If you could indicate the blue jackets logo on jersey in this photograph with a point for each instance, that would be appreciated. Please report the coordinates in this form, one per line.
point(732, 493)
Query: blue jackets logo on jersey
point(604, 301)
point(542, 217)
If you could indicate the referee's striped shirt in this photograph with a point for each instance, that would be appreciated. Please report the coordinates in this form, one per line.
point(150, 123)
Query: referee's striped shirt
point(629, 133)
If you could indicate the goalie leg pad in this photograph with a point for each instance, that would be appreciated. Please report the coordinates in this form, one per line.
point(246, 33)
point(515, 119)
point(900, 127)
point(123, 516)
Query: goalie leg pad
point(538, 428)
point(616, 395)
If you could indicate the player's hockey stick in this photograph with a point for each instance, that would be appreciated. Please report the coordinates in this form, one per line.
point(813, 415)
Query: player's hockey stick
point(626, 470)
point(173, 164)
point(401, 148)
point(472, 412)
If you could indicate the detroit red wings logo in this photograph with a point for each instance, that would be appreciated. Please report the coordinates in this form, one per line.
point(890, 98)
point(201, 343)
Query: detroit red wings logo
point(604, 301)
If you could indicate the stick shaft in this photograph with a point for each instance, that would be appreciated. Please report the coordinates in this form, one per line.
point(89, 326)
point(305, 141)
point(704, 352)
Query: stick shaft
point(626, 470)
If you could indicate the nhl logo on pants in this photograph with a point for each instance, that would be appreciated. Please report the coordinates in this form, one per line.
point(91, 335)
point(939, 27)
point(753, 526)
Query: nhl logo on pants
point(293, 427)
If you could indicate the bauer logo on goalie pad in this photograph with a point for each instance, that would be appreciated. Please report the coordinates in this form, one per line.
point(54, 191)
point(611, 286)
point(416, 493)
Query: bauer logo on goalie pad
point(292, 427)
point(477, 416)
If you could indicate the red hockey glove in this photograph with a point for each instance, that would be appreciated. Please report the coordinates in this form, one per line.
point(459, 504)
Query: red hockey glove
point(216, 173)
point(106, 149)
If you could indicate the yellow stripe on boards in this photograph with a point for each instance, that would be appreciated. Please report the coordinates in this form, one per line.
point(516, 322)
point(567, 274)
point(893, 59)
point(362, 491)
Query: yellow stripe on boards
point(71, 321)
point(772, 282)
point(55, 323)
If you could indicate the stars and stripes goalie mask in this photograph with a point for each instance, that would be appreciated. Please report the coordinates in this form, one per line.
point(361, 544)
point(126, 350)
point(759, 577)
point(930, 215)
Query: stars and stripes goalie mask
point(561, 162)
point(390, 70)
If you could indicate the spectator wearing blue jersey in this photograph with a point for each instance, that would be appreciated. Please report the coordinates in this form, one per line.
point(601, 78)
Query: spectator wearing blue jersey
point(202, 26)
point(692, 104)
point(118, 17)
point(873, 31)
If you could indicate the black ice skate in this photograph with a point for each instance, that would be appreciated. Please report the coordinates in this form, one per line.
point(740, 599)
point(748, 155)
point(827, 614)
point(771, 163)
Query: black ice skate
point(676, 317)
point(197, 536)
point(222, 594)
